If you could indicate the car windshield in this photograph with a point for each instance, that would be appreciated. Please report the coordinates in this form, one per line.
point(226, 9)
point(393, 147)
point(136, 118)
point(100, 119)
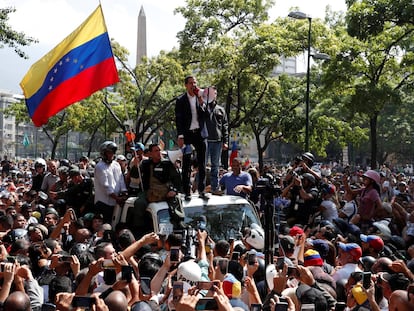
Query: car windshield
point(223, 221)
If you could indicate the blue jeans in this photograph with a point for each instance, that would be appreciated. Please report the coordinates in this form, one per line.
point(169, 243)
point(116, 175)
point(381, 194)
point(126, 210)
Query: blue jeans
point(214, 154)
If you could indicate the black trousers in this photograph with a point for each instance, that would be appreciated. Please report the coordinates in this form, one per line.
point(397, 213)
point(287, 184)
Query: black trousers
point(200, 144)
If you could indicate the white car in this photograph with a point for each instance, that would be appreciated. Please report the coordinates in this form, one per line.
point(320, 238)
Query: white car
point(226, 216)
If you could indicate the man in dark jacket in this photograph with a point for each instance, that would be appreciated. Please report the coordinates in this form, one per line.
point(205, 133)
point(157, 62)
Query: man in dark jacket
point(161, 182)
point(218, 134)
point(190, 113)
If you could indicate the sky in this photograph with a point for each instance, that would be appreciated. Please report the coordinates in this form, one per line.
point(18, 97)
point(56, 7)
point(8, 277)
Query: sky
point(50, 21)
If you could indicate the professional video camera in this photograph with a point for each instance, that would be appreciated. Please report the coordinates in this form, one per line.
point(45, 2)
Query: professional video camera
point(267, 188)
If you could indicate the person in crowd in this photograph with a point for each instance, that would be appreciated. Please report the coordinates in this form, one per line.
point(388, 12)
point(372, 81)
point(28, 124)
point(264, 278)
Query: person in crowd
point(369, 199)
point(133, 177)
point(110, 188)
point(161, 182)
point(237, 182)
point(303, 196)
point(218, 134)
point(190, 114)
point(40, 172)
point(51, 177)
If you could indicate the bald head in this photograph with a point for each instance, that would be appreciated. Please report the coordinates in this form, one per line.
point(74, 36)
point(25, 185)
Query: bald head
point(17, 301)
point(116, 301)
point(382, 265)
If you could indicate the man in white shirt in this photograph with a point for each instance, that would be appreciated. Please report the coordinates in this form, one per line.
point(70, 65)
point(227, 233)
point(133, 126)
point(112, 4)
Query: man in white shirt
point(348, 257)
point(109, 182)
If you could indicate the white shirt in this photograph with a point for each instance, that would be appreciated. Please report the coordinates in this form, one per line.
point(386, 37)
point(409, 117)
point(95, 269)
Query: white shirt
point(330, 212)
point(194, 118)
point(108, 179)
point(344, 272)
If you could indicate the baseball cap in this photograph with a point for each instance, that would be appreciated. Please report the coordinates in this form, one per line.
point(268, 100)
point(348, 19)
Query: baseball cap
point(312, 258)
point(321, 246)
point(231, 286)
point(359, 295)
point(352, 248)
point(374, 241)
point(120, 157)
point(138, 147)
point(295, 230)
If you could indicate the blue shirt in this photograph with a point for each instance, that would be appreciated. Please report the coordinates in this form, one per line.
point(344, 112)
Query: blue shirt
point(230, 181)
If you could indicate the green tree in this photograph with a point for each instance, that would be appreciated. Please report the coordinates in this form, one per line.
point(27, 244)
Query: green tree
point(372, 72)
point(148, 92)
point(10, 37)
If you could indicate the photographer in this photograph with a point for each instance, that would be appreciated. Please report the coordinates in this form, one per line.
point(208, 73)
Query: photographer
point(303, 196)
point(302, 165)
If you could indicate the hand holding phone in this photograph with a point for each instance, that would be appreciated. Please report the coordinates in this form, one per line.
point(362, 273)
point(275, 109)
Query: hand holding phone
point(174, 254)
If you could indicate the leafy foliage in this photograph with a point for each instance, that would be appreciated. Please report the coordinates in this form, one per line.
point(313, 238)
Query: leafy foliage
point(10, 37)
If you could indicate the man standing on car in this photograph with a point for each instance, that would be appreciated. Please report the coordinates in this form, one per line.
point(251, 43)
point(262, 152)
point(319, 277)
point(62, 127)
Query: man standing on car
point(161, 182)
point(190, 113)
point(237, 182)
point(218, 134)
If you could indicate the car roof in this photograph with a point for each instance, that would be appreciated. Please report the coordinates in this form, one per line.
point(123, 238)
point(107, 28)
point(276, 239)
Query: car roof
point(196, 201)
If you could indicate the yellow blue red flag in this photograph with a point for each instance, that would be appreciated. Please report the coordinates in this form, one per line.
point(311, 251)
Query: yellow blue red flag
point(80, 65)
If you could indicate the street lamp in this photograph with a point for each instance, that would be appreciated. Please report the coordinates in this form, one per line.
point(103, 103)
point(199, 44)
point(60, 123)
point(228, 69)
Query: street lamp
point(322, 56)
point(301, 15)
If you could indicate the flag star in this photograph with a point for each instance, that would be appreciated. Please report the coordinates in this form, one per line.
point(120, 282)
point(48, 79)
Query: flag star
point(67, 59)
point(75, 60)
point(81, 67)
point(50, 88)
point(55, 70)
point(52, 79)
point(60, 63)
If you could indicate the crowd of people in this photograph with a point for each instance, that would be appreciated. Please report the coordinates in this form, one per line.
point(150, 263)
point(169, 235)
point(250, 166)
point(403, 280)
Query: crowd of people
point(344, 236)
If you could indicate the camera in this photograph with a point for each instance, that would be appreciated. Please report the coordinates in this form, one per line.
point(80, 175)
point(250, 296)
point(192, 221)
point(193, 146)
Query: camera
point(268, 188)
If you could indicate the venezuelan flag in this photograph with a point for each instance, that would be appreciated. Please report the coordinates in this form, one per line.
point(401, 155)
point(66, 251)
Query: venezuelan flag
point(77, 67)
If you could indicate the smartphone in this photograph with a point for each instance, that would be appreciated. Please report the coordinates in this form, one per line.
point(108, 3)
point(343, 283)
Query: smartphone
point(73, 215)
point(175, 254)
point(293, 271)
point(255, 307)
point(83, 301)
point(207, 285)
point(223, 264)
point(48, 307)
point(206, 304)
point(235, 256)
point(126, 272)
point(145, 285)
point(178, 290)
point(281, 306)
point(340, 306)
point(251, 259)
point(108, 264)
point(366, 279)
point(65, 258)
point(307, 307)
